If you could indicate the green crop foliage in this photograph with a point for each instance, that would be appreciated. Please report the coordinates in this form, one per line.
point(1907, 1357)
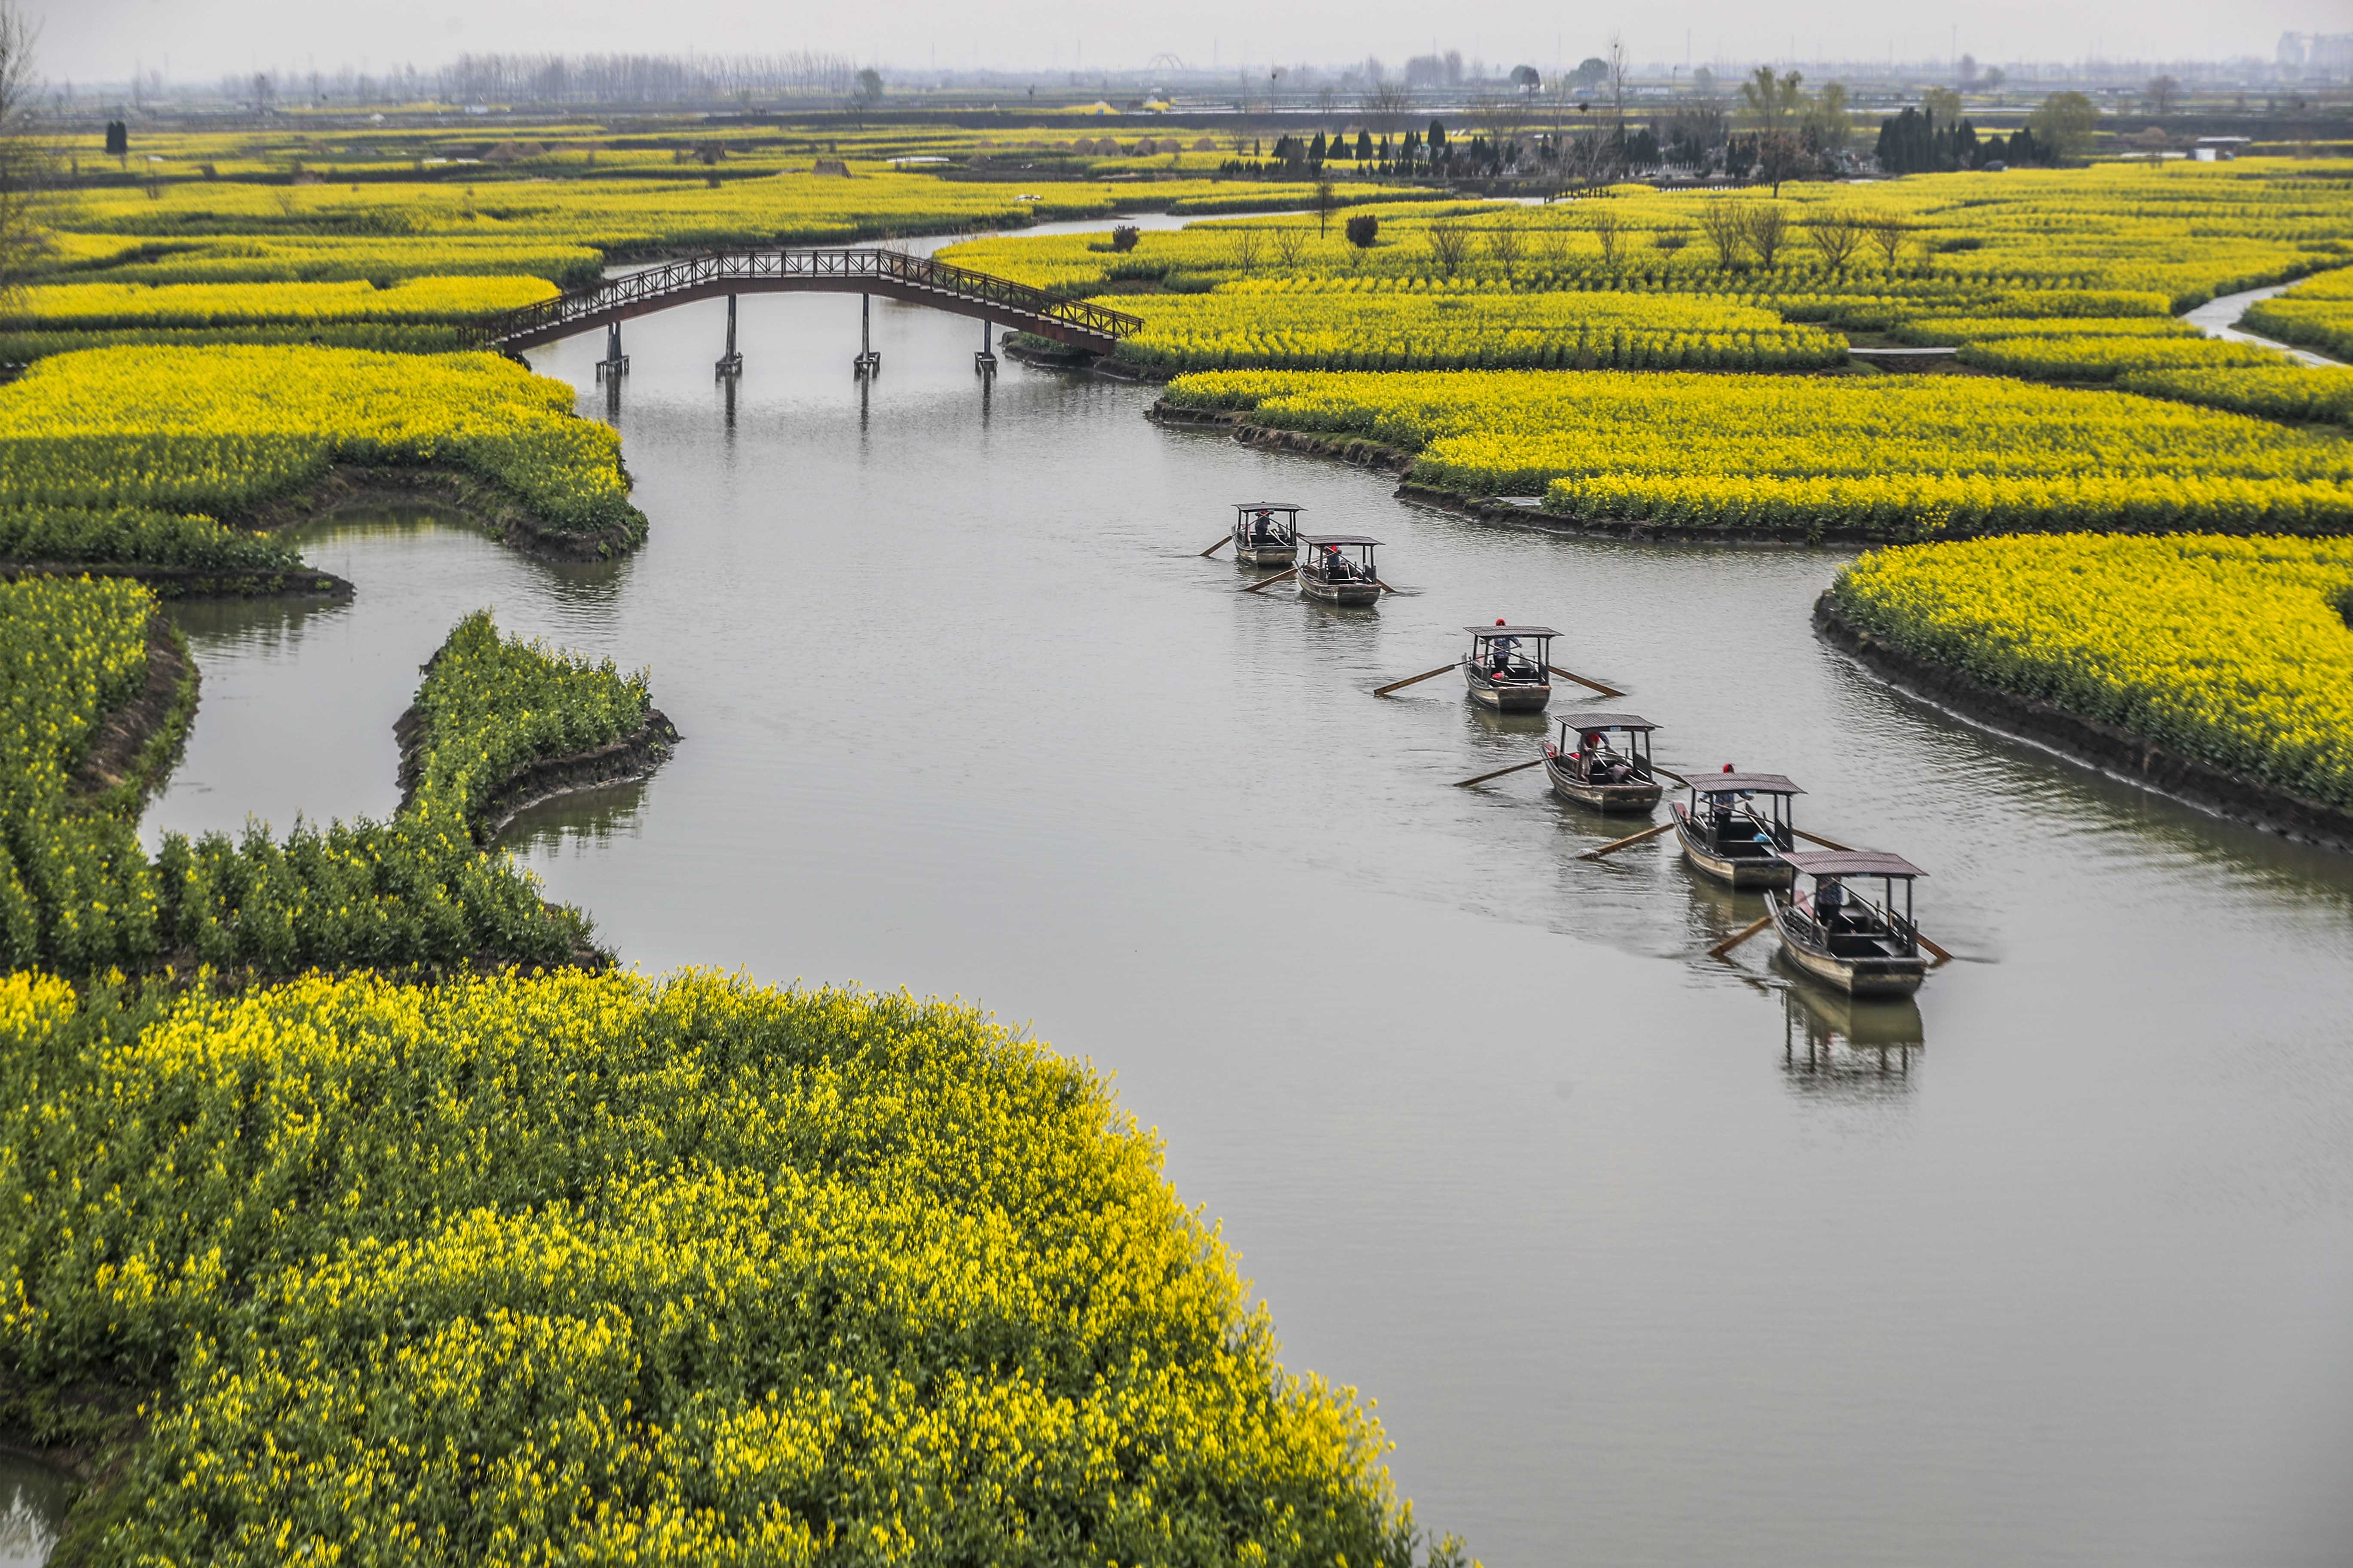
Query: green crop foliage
point(143, 536)
point(79, 897)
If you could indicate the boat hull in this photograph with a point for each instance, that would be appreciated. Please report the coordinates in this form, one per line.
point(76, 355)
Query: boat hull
point(1338, 593)
point(1733, 870)
point(1506, 697)
point(1635, 796)
point(1895, 974)
point(1266, 555)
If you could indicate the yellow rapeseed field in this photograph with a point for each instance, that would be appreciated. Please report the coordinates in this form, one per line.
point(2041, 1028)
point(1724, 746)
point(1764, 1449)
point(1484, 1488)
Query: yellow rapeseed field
point(81, 306)
point(571, 1270)
point(219, 430)
point(1896, 457)
point(2235, 651)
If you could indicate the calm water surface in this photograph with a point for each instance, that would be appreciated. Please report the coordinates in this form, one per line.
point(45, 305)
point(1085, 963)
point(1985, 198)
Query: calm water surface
point(1648, 1260)
point(32, 1505)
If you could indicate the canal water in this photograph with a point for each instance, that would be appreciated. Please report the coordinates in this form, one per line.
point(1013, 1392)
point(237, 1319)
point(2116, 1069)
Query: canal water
point(1647, 1259)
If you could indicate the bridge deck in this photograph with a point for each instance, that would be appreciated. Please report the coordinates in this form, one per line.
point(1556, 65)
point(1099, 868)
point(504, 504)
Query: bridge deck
point(895, 275)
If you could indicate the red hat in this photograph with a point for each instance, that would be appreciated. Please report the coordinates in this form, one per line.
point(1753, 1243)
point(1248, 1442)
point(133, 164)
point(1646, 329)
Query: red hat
point(1499, 620)
point(1728, 768)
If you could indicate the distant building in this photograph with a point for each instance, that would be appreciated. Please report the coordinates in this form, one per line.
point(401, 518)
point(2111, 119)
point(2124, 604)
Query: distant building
point(2316, 56)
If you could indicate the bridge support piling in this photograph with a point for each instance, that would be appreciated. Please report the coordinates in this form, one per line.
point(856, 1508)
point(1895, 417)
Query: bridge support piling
point(867, 361)
point(730, 364)
point(985, 362)
point(615, 364)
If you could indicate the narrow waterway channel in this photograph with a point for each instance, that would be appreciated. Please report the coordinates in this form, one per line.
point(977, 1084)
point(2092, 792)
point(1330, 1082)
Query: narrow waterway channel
point(1648, 1260)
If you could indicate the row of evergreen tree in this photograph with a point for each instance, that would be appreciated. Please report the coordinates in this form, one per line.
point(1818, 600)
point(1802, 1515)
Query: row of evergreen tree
point(1914, 144)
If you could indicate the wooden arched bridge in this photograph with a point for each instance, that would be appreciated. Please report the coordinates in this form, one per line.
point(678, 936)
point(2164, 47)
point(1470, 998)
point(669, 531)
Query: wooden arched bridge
point(895, 275)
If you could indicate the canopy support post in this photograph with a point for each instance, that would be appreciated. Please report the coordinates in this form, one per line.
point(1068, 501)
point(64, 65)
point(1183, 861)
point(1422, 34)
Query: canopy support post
point(985, 362)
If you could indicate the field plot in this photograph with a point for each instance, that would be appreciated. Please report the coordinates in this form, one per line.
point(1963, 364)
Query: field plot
point(1898, 456)
point(2234, 651)
point(595, 1268)
point(221, 430)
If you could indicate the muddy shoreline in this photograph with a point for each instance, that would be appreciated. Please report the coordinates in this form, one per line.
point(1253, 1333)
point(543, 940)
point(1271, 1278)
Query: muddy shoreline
point(2096, 743)
point(632, 757)
point(497, 513)
point(135, 745)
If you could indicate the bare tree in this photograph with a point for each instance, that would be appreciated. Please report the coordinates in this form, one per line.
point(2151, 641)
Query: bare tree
point(1388, 104)
point(1767, 226)
point(24, 163)
point(1246, 249)
point(1554, 240)
point(1889, 232)
point(1725, 229)
point(1290, 243)
point(1449, 243)
point(1323, 204)
point(1608, 228)
point(1506, 245)
point(1837, 235)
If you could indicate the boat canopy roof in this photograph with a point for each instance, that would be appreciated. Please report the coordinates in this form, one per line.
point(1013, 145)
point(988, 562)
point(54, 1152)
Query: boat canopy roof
point(1850, 863)
point(1604, 722)
point(1511, 631)
point(1747, 783)
point(1336, 539)
point(1267, 506)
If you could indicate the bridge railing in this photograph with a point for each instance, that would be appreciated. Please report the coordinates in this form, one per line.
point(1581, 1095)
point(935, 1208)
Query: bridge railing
point(1018, 302)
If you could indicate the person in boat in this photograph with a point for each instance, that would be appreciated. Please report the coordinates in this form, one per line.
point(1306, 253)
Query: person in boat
point(1262, 529)
point(1830, 904)
point(1500, 651)
point(1335, 566)
point(1721, 815)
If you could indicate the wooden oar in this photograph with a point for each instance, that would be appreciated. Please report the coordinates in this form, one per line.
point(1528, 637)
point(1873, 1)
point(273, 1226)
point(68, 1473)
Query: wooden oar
point(1620, 844)
point(1410, 680)
point(1384, 587)
point(1220, 544)
point(1572, 675)
point(1670, 773)
point(1499, 772)
point(1269, 581)
point(1942, 956)
point(1825, 843)
point(1743, 934)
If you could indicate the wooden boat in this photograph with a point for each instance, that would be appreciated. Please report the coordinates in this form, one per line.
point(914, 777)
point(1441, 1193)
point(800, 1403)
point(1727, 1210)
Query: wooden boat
point(1266, 532)
point(1832, 934)
point(1726, 837)
point(1502, 672)
point(1330, 572)
point(1587, 768)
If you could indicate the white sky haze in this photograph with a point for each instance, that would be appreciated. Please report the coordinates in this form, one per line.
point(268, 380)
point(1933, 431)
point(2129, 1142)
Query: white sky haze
point(91, 40)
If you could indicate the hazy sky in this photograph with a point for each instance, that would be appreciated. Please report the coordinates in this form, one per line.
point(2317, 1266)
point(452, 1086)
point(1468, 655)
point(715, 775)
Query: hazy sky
point(201, 39)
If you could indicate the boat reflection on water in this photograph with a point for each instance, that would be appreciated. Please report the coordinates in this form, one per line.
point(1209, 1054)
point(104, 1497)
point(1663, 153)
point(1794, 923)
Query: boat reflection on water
point(1847, 1047)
